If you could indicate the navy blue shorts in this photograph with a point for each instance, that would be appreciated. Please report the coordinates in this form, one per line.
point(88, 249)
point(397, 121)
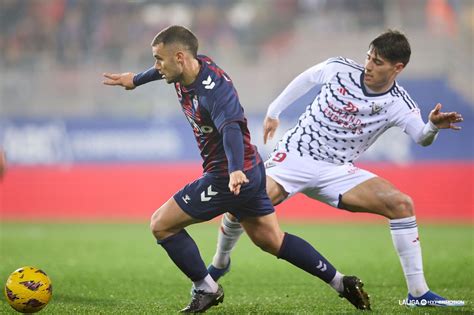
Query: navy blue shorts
point(209, 196)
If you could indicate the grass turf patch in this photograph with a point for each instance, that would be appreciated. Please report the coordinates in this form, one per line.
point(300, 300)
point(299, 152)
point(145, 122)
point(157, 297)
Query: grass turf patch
point(119, 269)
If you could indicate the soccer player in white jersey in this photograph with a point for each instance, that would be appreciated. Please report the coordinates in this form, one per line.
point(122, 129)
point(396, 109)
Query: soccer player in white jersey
point(355, 106)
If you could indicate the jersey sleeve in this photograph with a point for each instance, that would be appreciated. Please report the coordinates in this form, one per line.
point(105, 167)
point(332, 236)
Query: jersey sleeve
point(146, 76)
point(318, 74)
point(233, 142)
point(412, 124)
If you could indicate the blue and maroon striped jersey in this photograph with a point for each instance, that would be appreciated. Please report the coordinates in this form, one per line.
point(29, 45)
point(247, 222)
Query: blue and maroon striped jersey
point(210, 103)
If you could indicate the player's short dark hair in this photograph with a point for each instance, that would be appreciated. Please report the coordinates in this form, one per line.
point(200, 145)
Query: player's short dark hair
point(393, 46)
point(177, 34)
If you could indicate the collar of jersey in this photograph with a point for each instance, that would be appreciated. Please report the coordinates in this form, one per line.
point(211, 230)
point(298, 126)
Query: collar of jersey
point(198, 79)
point(367, 93)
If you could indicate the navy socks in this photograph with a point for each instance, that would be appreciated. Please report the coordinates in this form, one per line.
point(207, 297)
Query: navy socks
point(184, 252)
point(300, 253)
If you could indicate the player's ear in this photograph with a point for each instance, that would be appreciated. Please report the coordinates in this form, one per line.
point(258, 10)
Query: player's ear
point(399, 67)
point(180, 56)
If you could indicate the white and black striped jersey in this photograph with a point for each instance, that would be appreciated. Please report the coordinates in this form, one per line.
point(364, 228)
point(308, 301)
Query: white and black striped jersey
point(345, 119)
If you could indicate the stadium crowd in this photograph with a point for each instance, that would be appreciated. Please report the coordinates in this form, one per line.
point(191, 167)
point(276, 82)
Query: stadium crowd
point(65, 42)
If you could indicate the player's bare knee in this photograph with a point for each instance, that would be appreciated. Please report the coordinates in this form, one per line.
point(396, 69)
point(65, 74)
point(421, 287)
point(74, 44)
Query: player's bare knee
point(156, 226)
point(400, 206)
point(269, 244)
point(408, 208)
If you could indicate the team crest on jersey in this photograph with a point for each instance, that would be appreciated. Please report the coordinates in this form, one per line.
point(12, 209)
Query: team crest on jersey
point(376, 108)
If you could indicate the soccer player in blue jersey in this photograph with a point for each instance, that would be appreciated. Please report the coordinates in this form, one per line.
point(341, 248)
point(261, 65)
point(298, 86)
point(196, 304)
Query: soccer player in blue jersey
point(233, 178)
point(357, 104)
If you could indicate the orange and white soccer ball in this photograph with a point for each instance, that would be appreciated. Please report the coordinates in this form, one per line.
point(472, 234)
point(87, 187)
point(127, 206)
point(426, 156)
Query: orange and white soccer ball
point(28, 289)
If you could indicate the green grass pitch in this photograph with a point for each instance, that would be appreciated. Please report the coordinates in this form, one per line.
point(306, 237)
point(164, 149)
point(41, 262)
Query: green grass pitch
point(117, 268)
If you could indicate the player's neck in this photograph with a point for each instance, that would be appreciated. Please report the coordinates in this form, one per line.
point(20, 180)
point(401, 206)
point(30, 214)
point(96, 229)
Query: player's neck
point(379, 89)
point(191, 72)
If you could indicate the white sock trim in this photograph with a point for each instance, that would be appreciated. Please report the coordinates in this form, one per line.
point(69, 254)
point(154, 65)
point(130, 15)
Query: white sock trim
point(336, 282)
point(207, 285)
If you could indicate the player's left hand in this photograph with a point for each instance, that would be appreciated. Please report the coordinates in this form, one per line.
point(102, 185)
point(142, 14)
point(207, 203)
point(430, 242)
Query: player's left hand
point(445, 120)
point(236, 180)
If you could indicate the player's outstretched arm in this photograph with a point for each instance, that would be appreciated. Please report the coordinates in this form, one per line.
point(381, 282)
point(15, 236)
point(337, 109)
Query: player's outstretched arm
point(270, 125)
point(445, 120)
point(120, 79)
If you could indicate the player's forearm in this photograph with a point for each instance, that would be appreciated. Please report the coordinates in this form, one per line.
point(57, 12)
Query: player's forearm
point(428, 134)
point(146, 76)
point(233, 146)
point(297, 88)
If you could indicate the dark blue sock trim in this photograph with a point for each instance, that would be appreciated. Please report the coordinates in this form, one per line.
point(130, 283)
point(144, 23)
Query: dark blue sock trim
point(283, 246)
point(181, 234)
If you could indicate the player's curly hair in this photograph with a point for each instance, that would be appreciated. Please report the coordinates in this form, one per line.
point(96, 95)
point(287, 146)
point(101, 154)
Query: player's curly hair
point(177, 34)
point(393, 46)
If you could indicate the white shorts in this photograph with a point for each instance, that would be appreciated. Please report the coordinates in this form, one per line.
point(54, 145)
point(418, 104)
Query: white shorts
point(319, 180)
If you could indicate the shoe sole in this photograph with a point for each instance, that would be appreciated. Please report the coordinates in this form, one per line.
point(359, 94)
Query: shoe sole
point(363, 297)
point(218, 300)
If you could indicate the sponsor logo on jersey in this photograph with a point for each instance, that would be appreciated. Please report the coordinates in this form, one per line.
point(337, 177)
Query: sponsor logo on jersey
point(199, 130)
point(344, 118)
point(351, 108)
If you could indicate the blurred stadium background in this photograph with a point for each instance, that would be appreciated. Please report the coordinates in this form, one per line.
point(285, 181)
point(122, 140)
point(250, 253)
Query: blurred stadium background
point(78, 149)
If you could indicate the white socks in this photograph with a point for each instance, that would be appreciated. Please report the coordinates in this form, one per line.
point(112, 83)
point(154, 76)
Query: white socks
point(405, 239)
point(228, 236)
point(207, 285)
point(336, 282)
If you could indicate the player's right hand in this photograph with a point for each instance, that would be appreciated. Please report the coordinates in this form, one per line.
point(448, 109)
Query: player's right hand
point(270, 125)
point(121, 79)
